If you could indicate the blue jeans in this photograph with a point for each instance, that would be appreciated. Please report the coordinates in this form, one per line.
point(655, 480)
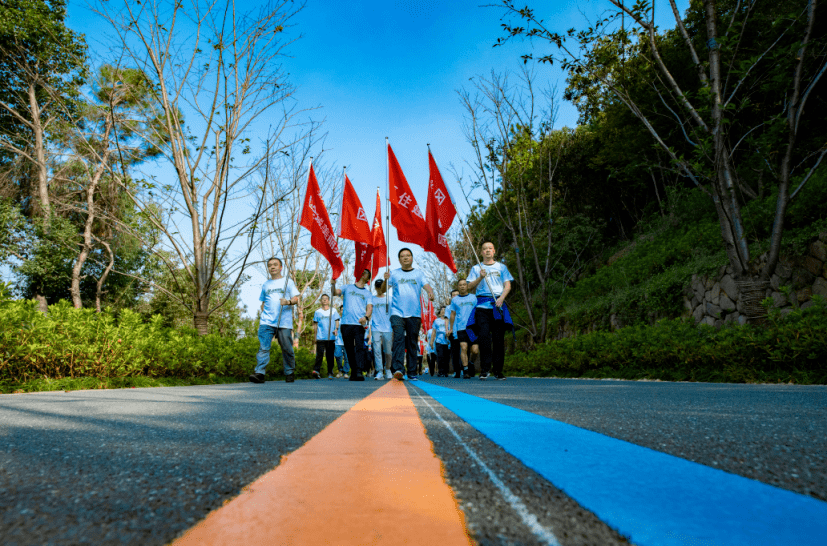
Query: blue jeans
point(265, 340)
point(382, 343)
point(405, 339)
point(339, 355)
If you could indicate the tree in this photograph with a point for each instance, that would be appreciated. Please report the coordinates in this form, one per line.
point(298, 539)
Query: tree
point(517, 156)
point(105, 146)
point(754, 67)
point(42, 66)
point(222, 68)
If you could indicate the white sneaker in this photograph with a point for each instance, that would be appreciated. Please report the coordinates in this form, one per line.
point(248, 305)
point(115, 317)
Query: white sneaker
point(388, 374)
point(378, 376)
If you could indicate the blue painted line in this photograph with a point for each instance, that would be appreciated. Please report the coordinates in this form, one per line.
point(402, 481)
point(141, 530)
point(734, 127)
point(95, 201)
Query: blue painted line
point(651, 497)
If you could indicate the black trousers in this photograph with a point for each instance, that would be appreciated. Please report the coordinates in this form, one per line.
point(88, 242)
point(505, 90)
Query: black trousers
point(325, 348)
point(353, 336)
point(442, 356)
point(405, 339)
point(456, 361)
point(491, 339)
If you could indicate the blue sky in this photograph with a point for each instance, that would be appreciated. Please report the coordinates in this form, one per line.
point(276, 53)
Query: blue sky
point(392, 68)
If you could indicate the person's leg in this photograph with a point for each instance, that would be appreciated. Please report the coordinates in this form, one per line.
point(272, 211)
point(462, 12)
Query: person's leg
point(398, 344)
point(473, 359)
point(498, 341)
point(387, 347)
point(350, 335)
point(411, 342)
point(360, 351)
point(376, 343)
point(431, 365)
point(265, 340)
point(456, 360)
point(286, 342)
point(483, 319)
point(329, 348)
point(446, 360)
point(320, 350)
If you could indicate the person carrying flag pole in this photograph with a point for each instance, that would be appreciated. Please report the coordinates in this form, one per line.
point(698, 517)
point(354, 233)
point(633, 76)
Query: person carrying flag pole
point(277, 293)
point(407, 282)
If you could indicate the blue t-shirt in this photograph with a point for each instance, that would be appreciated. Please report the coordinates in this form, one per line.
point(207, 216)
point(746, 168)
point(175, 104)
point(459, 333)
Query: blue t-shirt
point(380, 319)
point(462, 306)
point(497, 275)
point(339, 340)
point(440, 326)
point(271, 293)
point(406, 288)
point(355, 304)
point(323, 319)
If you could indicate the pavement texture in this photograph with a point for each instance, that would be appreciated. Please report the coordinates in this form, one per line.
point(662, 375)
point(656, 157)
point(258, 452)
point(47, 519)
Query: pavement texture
point(140, 466)
point(776, 434)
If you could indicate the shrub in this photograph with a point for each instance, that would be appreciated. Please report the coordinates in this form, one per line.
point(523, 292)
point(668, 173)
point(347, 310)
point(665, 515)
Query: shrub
point(71, 343)
point(787, 349)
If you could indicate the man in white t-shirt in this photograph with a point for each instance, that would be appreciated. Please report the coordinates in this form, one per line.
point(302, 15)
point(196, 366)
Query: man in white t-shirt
point(326, 323)
point(492, 281)
point(381, 334)
point(356, 310)
point(406, 313)
point(278, 296)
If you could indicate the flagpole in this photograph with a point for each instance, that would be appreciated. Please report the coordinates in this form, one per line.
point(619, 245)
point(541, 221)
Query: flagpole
point(474, 250)
point(333, 281)
point(387, 221)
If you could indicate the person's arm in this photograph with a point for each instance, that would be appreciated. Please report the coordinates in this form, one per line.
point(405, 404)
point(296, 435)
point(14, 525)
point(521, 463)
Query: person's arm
point(472, 285)
point(430, 292)
point(451, 321)
point(366, 318)
point(315, 330)
point(433, 335)
point(506, 290)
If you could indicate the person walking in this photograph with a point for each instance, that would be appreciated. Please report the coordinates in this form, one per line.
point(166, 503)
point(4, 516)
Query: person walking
point(356, 311)
point(325, 320)
point(440, 338)
point(406, 313)
point(462, 305)
point(382, 336)
point(492, 282)
point(278, 295)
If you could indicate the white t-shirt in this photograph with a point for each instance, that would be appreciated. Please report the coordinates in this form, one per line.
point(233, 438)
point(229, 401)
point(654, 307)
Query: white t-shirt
point(440, 326)
point(380, 318)
point(355, 304)
point(323, 319)
point(407, 286)
point(462, 306)
point(271, 293)
point(497, 275)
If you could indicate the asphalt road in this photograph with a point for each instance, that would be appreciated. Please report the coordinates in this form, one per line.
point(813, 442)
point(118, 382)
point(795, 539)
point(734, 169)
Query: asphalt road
point(139, 466)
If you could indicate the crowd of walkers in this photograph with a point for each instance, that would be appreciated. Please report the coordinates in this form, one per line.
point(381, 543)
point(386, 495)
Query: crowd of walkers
point(379, 335)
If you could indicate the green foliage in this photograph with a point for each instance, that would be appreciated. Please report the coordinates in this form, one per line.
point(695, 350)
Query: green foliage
point(789, 349)
point(75, 343)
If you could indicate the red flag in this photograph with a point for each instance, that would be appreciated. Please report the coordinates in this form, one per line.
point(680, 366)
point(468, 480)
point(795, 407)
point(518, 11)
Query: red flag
point(406, 215)
point(440, 216)
point(354, 225)
point(380, 247)
point(315, 219)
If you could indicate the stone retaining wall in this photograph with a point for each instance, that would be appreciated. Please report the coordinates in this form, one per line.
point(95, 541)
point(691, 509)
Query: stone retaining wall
point(716, 300)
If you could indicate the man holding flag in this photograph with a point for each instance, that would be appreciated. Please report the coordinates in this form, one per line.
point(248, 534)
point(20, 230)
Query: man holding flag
point(278, 294)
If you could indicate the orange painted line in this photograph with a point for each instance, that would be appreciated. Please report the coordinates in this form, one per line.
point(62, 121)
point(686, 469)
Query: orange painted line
point(370, 477)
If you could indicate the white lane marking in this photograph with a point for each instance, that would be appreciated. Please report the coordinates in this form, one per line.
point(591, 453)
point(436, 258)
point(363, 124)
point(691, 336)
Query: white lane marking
point(530, 520)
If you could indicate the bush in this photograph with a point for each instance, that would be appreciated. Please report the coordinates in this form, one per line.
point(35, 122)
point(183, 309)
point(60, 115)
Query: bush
point(787, 349)
point(73, 343)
